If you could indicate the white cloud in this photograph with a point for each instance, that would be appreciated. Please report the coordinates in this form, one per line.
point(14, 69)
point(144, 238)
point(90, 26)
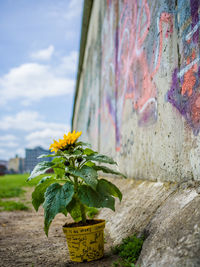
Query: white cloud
point(68, 64)
point(40, 133)
point(45, 137)
point(75, 9)
point(72, 10)
point(8, 141)
point(8, 138)
point(2, 151)
point(28, 120)
point(20, 152)
point(31, 82)
point(6, 154)
point(44, 54)
point(9, 144)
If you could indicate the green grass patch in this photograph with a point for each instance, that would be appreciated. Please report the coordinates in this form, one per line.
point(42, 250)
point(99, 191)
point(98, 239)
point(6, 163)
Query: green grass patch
point(128, 251)
point(6, 192)
point(11, 185)
point(12, 205)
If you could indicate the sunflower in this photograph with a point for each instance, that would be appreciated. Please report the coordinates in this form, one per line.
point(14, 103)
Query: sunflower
point(68, 139)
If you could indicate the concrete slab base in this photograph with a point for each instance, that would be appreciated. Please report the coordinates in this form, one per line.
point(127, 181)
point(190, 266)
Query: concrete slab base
point(167, 213)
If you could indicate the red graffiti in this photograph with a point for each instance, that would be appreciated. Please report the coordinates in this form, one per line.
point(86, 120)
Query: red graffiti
point(189, 77)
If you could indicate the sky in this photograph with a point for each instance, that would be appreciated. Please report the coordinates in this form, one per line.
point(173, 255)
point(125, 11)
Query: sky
point(39, 49)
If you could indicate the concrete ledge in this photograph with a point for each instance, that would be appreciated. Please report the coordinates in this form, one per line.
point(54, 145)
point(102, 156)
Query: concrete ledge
point(166, 213)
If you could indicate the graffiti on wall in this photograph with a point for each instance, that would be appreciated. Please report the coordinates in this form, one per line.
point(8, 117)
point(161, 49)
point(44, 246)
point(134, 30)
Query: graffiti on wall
point(123, 60)
point(129, 63)
point(184, 93)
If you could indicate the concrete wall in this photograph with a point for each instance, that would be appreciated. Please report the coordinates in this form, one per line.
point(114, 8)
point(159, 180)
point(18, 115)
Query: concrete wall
point(138, 96)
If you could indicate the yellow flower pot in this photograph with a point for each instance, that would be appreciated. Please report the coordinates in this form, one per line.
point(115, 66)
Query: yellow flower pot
point(85, 243)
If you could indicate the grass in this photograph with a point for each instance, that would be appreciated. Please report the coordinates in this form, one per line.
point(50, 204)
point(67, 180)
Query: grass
point(128, 251)
point(12, 205)
point(12, 185)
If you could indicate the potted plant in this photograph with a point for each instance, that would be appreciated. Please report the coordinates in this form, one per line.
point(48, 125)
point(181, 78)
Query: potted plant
point(75, 188)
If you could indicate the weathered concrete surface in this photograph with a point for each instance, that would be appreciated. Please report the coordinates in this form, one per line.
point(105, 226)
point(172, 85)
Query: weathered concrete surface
point(138, 100)
point(138, 97)
point(167, 214)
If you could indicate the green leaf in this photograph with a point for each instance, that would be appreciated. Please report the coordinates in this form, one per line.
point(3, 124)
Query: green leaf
point(57, 197)
point(59, 167)
point(58, 160)
point(105, 187)
point(67, 154)
point(38, 193)
point(90, 164)
point(46, 156)
point(64, 153)
point(60, 173)
point(101, 158)
point(91, 212)
point(74, 209)
point(58, 153)
point(83, 144)
point(77, 152)
point(107, 170)
point(40, 168)
point(92, 198)
point(89, 152)
point(88, 174)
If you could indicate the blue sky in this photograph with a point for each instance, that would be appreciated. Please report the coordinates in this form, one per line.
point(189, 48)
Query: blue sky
point(39, 56)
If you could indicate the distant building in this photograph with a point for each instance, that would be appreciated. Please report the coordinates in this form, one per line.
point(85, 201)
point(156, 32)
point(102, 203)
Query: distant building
point(3, 167)
point(21, 165)
point(31, 158)
point(16, 165)
point(4, 162)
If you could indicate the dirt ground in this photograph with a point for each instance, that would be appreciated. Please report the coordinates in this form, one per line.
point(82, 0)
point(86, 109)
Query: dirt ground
point(24, 243)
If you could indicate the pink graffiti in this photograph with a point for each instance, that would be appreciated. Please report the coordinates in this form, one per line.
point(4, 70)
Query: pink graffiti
point(135, 74)
point(127, 74)
point(164, 18)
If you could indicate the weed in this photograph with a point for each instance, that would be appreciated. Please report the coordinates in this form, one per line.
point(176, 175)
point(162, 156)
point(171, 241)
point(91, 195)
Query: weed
point(128, 251)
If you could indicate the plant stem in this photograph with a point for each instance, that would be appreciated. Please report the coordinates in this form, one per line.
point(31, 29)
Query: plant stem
point(82, 208)
point(83, 213)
